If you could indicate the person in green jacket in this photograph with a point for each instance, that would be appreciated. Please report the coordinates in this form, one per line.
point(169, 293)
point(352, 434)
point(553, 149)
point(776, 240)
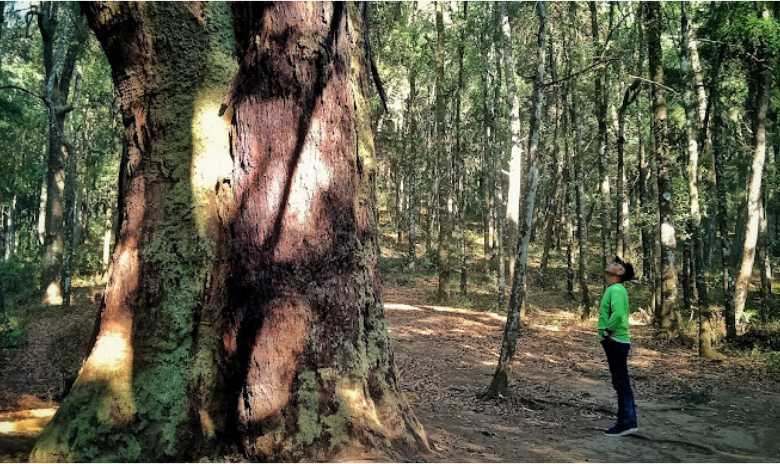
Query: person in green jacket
point(616, 340)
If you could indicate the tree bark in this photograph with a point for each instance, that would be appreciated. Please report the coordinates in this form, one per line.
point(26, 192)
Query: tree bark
point(244, 305)
point(515, 180)
point(762, 78)
point(582, 222)
point(500, 205)
point(695, 101)
point(412, 211)
point(460, 160)
point(108, 236)
point(764, 263)
point(667, 317)
point(500, 383)
point(61, 49)
point(600, 103)
point(621, 229)
point(444, 164)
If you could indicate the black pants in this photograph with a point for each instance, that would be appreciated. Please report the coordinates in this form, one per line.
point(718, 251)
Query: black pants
point(617, 357)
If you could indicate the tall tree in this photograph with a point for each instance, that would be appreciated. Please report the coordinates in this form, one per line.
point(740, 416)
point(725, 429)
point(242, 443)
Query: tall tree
point(621, 222)
point(500, 383)
point(460, 161)
point(667, 317)
point(243, 301)
point(600, 102)
point(695, 101)
point(761, 75)
point(444, 165)
point(515, 137)
point(63, 35)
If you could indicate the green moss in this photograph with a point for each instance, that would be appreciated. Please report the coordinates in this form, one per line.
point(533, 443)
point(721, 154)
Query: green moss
point(336, 426)
point(309, 427)
point(153, 418)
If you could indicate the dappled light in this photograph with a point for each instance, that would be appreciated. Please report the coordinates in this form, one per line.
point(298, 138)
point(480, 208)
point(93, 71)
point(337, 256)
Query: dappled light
point(389, 231)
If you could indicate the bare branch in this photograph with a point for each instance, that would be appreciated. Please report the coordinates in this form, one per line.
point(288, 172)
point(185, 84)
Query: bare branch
point(28, 92)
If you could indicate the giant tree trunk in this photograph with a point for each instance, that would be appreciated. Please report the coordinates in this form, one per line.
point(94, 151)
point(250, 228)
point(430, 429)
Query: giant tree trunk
point(762, 78)
point(499, 386)
point(243, 306)
point(667, 317)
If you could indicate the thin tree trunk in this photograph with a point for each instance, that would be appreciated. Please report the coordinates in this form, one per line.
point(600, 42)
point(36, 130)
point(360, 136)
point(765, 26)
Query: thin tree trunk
point(9, 229)
point(500, 383)
point(42, 201)
point(622, 210)
point(582, 222)
point(61, 48)
point(461, 165)
point(696, 131)
point(762, 77)
point(500, 205)
point(600, 103)
point(667, 318)
point(515, 179)
point(69, 222)
point(108, 235)
point(721, 210)
point(444, 164)
point(555, 195)
point(411, 220)
point(764, 264)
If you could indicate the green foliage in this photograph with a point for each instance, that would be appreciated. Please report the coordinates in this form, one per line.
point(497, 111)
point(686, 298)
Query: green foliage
point(12, 335)
point(16, 277)
point(772, 360)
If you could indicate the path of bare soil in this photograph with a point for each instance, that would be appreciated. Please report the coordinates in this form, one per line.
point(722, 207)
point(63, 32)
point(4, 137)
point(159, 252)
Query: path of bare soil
point(690, 410)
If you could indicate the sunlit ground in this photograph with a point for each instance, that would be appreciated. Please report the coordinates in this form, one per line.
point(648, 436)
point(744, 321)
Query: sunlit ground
point(25, 423)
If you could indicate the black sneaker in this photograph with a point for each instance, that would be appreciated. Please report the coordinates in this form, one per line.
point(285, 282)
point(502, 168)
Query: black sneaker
point(621, 430)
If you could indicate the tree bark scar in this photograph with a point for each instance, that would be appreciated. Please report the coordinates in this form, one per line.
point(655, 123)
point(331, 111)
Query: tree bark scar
point(273, 362)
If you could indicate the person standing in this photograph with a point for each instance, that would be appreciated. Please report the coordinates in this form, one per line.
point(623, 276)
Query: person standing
point(613, 329)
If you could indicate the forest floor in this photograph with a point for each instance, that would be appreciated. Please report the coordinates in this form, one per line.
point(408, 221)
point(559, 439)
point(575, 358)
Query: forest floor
point(561, 398)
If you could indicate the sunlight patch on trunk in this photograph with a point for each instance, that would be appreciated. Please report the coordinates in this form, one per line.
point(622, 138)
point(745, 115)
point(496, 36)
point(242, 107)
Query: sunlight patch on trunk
point(211, 161)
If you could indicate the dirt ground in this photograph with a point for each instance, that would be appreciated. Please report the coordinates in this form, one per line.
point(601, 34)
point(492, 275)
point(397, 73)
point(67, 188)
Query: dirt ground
point(689, 409)
point(562, 399)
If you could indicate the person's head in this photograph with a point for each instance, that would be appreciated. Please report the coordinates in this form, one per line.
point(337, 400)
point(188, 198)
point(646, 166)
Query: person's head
point(619, 271)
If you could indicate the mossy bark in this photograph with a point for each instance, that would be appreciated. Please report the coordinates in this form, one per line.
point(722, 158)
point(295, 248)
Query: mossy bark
point(132, 398)
point(243, 310)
